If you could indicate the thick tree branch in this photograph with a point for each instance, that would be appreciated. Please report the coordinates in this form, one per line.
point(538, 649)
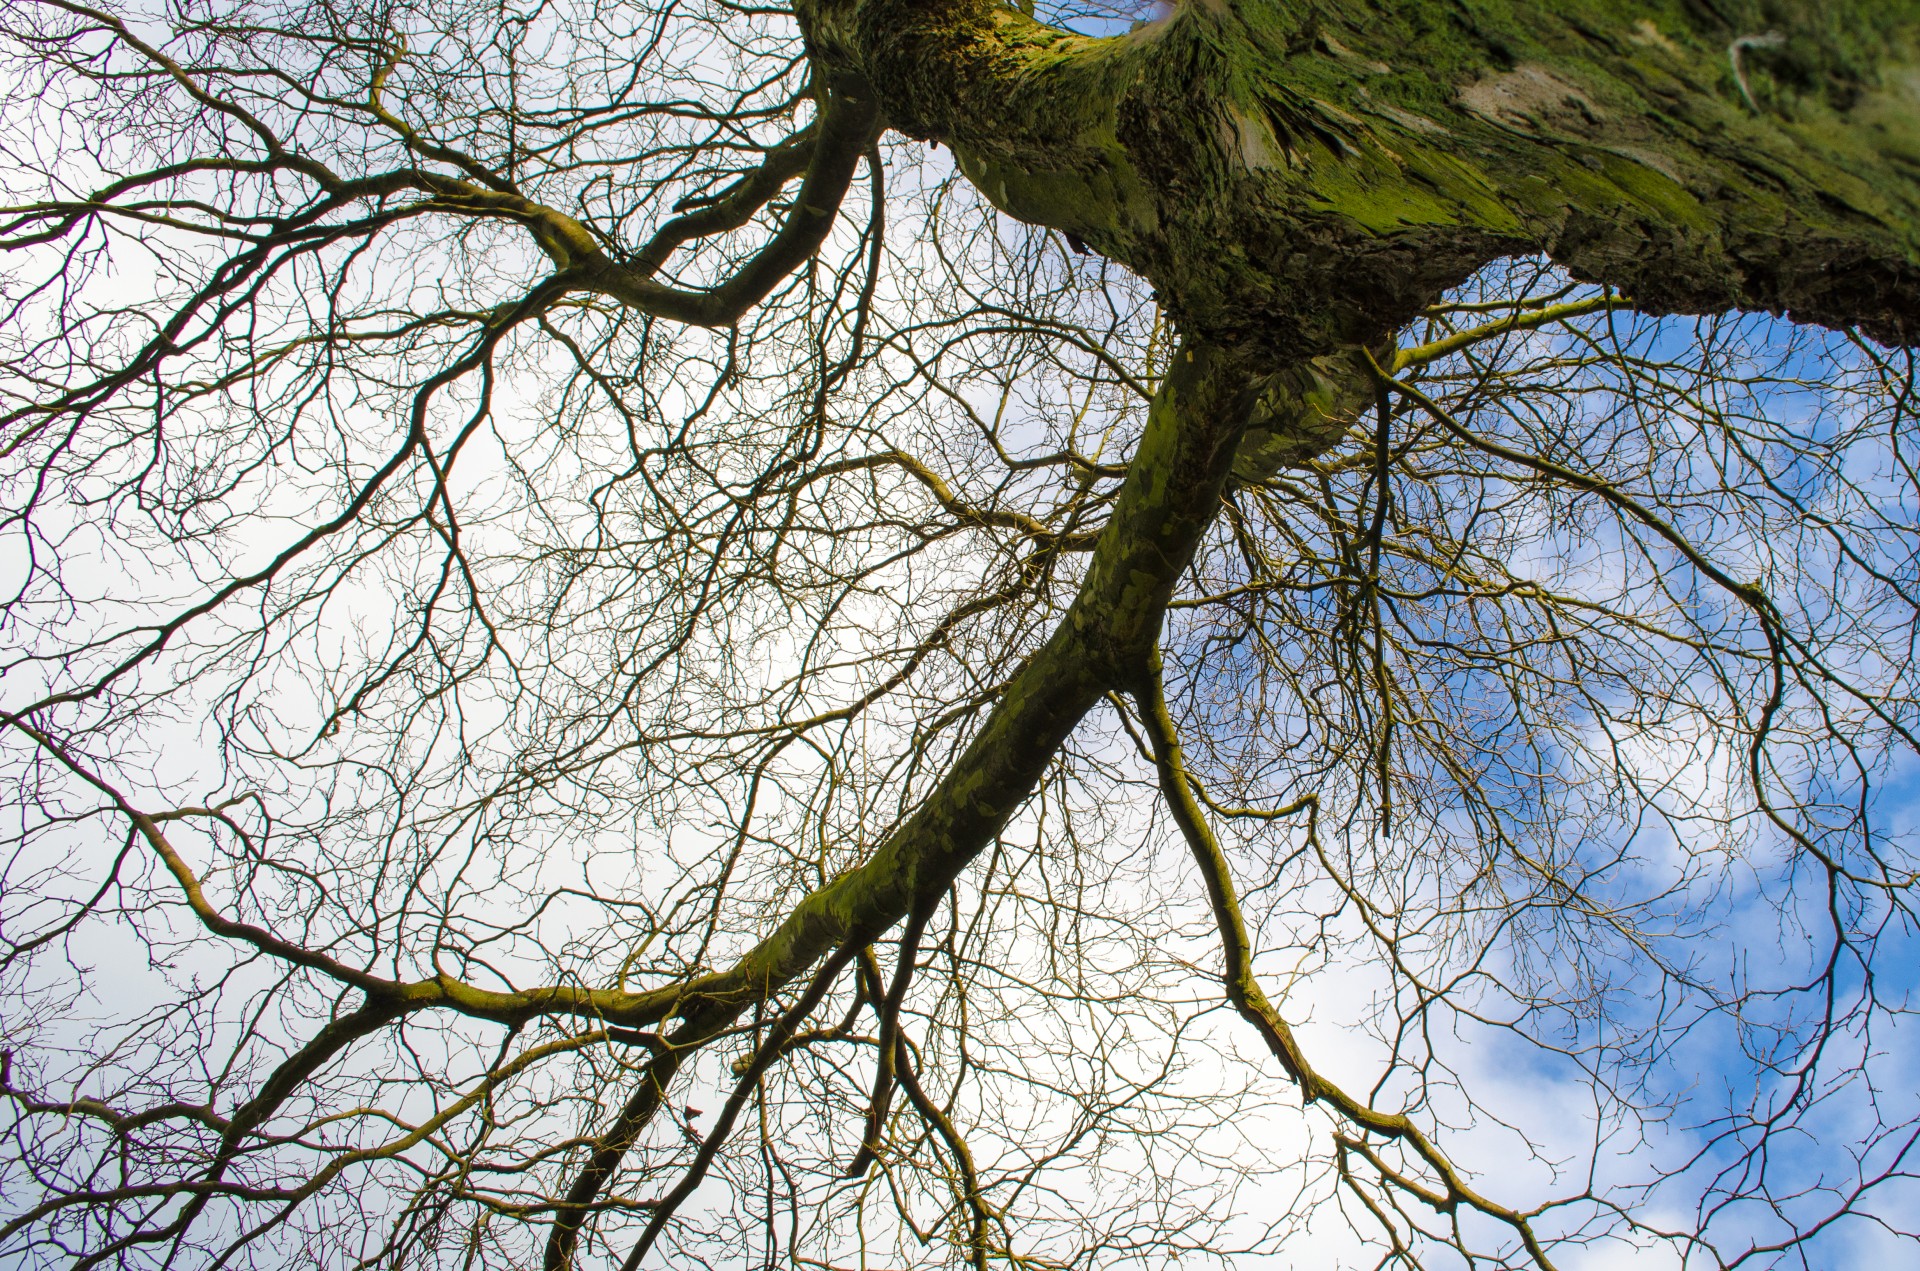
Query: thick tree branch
point(1313, 176)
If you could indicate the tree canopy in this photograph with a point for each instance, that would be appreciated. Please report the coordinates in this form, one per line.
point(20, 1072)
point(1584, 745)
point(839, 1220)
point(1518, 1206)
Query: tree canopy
point(924, 632)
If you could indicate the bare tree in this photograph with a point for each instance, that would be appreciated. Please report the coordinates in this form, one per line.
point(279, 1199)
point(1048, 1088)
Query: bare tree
point(707, 634)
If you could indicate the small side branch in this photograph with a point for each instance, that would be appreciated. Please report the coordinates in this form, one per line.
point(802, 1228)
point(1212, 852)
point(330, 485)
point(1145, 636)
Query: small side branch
point(1244, 991)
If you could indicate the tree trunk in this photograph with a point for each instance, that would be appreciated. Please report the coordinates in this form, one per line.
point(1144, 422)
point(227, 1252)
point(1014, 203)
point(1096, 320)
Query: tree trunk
point(1303, 177)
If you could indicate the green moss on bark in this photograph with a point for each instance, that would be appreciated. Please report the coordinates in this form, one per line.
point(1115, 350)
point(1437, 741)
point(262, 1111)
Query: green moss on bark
point(1304, 177)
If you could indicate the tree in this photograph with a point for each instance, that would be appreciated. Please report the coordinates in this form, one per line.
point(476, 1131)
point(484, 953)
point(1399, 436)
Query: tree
point(608, 663)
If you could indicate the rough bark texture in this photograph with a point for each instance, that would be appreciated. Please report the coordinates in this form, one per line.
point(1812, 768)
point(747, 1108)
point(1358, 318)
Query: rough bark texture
point(1304, 176)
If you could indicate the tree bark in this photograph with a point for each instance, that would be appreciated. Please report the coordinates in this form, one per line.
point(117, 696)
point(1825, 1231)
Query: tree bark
point(1304, 176)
